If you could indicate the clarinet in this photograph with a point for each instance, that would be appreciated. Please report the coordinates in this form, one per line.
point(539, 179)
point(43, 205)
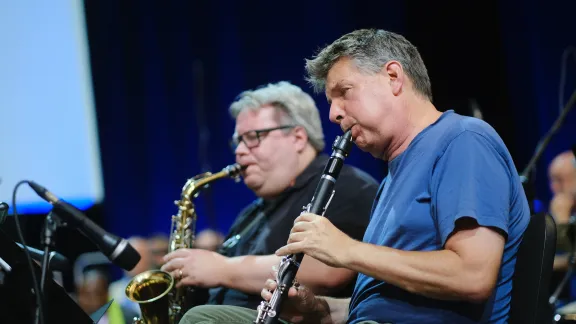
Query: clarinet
point(269, 312)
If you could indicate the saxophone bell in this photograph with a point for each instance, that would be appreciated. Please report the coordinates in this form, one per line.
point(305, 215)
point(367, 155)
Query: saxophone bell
point(150, 290)
point(159, 300)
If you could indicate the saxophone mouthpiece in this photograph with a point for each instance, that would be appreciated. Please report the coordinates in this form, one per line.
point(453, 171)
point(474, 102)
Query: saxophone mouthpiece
point(235, 170)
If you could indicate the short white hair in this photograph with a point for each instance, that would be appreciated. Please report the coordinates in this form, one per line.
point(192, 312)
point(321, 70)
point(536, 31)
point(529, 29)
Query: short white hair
point(296, 107)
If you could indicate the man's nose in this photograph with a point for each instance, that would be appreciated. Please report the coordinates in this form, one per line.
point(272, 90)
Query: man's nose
point(241, 149)
point(336, 113)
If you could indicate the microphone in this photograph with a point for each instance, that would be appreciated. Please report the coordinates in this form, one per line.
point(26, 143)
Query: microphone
point(3, 211)
point(56, 261)
point(116, 249)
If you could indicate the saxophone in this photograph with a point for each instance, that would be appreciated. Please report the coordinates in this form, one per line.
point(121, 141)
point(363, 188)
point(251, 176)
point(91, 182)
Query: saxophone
point(159, 300)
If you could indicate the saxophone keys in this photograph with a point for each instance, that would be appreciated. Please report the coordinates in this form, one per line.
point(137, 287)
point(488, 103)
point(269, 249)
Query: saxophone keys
point(188, 222)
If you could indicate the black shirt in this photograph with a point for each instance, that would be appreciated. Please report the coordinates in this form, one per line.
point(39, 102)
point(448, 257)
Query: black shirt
point(264, 226)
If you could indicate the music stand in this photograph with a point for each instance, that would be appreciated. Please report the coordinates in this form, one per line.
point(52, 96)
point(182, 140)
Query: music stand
point(17, 299)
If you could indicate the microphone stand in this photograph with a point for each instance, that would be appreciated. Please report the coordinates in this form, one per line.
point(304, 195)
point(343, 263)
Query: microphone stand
point(51, 224)
point(530, 168)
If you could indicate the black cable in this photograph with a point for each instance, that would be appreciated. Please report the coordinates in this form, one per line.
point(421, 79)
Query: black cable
point(37, 292)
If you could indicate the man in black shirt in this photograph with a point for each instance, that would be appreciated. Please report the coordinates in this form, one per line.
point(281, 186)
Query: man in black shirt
point(279, 138)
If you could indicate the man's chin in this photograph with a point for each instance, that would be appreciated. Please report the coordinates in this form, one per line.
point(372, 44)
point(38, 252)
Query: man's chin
point(375, 152)
point(363, 146)
point(252, 184)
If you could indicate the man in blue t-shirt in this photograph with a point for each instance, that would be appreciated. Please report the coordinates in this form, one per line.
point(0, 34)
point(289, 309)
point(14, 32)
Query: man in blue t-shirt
point(448, 219)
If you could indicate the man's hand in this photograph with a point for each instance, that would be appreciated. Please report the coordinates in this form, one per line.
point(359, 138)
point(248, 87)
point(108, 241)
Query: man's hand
point(196, 267)
point(301, 305)
point(317, 237)
point(561, 207)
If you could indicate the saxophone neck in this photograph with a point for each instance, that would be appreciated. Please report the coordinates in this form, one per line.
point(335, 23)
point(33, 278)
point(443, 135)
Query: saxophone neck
point(199, 182)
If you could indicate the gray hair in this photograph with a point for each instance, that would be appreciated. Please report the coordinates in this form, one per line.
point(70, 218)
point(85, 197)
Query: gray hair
point(296, 107)
point(370, 50)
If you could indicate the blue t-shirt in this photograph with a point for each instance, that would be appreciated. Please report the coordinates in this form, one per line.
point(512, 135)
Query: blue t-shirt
point(457, 167)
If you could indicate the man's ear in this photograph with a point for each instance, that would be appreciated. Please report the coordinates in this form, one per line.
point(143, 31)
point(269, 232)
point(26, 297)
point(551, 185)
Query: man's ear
point(394, 71)
point(300, 138)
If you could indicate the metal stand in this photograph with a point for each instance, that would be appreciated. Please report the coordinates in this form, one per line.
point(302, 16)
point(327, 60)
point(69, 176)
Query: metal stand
point(526, 177)
point(51, 224)
point(571, 262)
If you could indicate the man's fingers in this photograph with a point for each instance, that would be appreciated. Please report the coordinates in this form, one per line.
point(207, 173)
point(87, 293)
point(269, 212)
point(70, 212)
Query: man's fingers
point(292, 292)
point(172, 265)
point(291, 248)
point(296, 237)
point(270, 285)
point(266, 295)
point(180, 253)
point(305, 217)
point(187, 281)
point(300, 227)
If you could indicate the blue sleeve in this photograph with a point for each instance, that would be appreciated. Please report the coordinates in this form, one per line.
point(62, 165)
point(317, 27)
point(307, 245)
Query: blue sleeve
point(470, 179)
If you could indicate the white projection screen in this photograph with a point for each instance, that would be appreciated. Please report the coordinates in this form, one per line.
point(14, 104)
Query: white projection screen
point(48, 130)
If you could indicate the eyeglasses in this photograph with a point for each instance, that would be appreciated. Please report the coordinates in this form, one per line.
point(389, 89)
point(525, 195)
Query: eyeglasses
point(252, 138)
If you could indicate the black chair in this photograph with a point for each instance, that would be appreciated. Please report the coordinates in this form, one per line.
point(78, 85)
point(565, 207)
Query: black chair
point(531, 282)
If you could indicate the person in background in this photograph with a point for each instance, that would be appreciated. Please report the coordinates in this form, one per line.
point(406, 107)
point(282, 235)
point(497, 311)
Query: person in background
point(92, 292)
point(562, 180)
point(118, 287)
point(562, 177)
point(158, 244)
point(209, 239)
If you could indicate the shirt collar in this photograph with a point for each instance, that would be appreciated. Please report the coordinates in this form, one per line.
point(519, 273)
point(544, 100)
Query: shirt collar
point(309, 172)
point(306, 176)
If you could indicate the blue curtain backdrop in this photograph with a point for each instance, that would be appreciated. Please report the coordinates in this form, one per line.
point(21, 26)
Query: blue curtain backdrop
point(536, 33)
point(164, 76)
point(165, 73)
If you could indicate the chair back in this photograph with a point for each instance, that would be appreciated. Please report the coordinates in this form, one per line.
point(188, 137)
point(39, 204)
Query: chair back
point(533, 272)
